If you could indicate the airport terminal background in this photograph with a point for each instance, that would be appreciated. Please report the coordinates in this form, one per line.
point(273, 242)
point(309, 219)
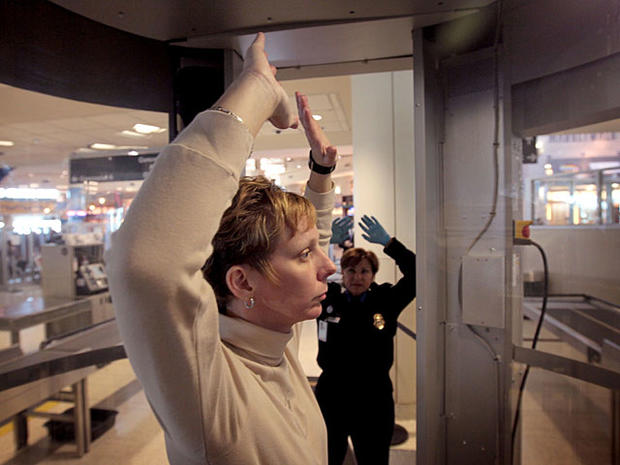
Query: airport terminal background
point(71, 170)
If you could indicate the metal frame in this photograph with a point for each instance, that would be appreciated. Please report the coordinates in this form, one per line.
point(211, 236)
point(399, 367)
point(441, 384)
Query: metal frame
point(29, 380)
point(568, 367)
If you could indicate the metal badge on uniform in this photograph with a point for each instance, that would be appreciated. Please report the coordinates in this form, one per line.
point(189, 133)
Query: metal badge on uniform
point(378, 321)
point(329, 309)
point(322, 331)
point(333, 319)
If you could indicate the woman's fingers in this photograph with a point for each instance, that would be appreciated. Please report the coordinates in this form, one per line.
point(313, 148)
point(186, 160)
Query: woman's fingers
point(323, 153)
point(259, 40)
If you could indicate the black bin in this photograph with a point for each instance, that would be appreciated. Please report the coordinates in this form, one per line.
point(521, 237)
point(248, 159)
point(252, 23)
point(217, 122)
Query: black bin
point(101, 420)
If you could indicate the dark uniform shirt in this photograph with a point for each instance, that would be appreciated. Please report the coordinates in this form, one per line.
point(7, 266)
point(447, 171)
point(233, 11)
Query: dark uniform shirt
point(356, 333)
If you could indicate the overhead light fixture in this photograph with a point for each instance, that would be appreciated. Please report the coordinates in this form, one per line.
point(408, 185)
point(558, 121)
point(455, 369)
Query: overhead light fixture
point(100, 146)
point(127, 132)
point(147, 129)
point(133, 153)
point(317, 117)
point(6, 143)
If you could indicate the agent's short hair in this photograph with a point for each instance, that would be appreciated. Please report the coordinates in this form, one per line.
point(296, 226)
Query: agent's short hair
point(352, 257)
point(260, 214)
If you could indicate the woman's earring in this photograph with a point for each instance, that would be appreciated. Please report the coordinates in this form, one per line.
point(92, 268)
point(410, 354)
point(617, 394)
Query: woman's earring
point(249, 303)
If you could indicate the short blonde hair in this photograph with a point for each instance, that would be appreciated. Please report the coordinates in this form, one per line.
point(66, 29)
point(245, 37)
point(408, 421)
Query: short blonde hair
point(249, 231)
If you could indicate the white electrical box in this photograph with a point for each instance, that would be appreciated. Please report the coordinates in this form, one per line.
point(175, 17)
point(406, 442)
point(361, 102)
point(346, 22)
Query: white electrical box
point(483, 291)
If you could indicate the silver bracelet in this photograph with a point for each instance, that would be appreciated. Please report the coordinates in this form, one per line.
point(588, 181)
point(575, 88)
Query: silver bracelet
point(227, 112)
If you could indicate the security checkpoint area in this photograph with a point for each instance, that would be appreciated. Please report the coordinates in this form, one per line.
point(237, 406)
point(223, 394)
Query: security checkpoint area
point(484, 134)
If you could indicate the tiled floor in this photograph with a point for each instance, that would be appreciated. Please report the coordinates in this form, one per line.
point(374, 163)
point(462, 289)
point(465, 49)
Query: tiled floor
point(565, 421)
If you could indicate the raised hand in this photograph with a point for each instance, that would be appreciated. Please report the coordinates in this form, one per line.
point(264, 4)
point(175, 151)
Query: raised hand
point(257, 62)
point(373, 231)
point(323, 153)
point(340, 229)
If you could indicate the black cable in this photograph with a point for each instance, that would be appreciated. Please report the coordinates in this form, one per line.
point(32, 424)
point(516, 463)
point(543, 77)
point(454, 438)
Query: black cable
point(534, 342)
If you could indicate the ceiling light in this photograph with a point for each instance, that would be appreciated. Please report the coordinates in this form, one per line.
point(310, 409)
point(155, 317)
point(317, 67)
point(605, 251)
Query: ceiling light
point(147, 129)
point(133, 153)
point(6, 143)
point(317, 117)
point(548, 166)
point(127, 132)
point(101, 200)
point(99, 146)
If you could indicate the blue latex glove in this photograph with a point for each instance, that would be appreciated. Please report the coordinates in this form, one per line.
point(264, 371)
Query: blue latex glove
point(340, 229)
point(373, 230)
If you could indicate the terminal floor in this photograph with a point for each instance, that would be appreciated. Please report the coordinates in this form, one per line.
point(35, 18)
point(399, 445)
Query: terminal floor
point(565, 421)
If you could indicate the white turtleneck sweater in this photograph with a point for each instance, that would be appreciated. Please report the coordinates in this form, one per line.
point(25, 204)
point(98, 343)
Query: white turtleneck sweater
point(224, 390)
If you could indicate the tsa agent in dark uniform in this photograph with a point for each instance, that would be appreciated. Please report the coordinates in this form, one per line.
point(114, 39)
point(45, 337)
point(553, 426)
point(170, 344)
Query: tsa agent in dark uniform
point(356, 349)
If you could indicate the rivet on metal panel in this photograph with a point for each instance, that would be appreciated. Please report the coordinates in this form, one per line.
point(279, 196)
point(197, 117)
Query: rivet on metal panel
point(419, 309)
